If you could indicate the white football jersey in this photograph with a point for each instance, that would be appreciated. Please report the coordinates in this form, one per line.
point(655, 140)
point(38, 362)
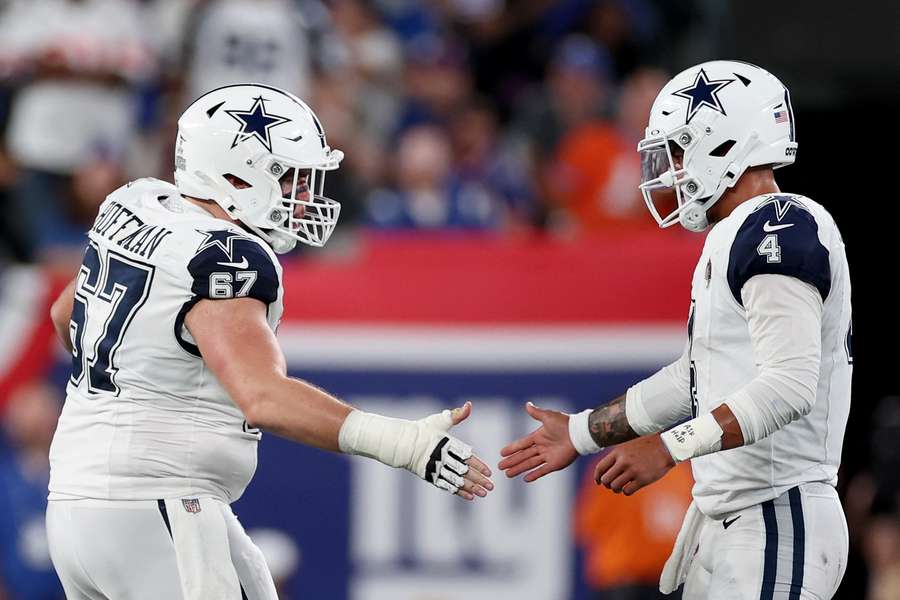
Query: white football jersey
point(780, 234)
point(237, 41)
point(144, 417)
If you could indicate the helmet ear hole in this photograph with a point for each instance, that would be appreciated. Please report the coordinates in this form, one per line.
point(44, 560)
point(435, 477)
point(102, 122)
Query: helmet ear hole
point(722, 149)
point(236, 182)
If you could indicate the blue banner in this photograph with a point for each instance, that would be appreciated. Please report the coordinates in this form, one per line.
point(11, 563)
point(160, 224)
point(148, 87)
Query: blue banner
point(368, 532)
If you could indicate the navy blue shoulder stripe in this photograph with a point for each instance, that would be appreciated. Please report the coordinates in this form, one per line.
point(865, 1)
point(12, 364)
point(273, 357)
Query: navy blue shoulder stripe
point(228, 264)
point(780, 237)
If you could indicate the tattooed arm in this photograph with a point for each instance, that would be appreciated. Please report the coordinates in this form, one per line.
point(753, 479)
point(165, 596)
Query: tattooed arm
point(609, 425)
point(652, 405)
point(550, 448)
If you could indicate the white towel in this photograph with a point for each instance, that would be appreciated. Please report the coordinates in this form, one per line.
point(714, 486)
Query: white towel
point(202, 550)
point(686, 544)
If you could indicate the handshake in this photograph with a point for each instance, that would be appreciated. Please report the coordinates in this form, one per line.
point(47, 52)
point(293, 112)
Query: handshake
point(426, 448)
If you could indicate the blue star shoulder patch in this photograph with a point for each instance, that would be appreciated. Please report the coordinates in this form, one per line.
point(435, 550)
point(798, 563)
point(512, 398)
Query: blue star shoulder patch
point(222, 238)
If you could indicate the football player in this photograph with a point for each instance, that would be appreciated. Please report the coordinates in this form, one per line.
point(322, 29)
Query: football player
point(176, 369)
point(759, 399)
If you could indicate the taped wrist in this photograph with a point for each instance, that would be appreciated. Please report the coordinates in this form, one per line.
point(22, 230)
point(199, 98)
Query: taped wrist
point(392, 441)
point(422, 447)
point(694, 438)
point(580, 433)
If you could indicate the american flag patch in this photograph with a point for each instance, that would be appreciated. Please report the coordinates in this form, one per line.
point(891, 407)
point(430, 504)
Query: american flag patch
point(781, 116)
point(191, 505)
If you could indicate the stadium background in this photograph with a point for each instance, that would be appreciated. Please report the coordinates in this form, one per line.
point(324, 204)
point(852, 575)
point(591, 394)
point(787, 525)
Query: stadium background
point(492, 248)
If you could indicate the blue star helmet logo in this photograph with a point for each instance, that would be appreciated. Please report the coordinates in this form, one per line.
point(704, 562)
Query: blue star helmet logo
point(255, 123)
point(703, 92)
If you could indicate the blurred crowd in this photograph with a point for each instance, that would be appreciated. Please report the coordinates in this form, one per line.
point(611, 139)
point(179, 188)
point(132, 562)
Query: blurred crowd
point(500, 116)
point(455, 114)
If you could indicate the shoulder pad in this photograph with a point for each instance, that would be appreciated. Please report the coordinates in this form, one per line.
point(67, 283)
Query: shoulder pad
point(780, 237)
point(228, 264)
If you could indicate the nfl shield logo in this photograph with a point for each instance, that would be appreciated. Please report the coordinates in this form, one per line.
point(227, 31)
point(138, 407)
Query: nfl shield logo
point(192, 505)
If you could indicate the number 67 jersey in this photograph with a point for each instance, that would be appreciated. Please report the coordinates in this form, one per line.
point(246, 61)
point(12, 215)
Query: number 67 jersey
point(776, 234)
point(144, 417)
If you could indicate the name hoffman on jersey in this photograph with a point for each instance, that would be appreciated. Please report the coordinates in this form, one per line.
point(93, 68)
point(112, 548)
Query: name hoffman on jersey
point(120, 226)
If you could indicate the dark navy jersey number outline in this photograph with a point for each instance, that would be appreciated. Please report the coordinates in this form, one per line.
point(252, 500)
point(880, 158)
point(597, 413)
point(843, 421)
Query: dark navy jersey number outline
point(124, 284)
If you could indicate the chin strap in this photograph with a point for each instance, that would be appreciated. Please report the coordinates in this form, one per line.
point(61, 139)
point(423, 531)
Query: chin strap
point(693, 217)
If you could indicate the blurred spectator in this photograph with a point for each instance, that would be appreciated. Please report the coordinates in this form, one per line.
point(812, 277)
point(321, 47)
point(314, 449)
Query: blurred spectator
point(421, 196)
point(14, 244)
point(25, 567)
point(628, 539)
point(576, 92)
point(882, 552)
point(624, 27)
point(872, 505)
point(358, 98)
point(411, 18)
point(509, 44)
point(483, 166)
point(459, 183)
point(74, 107)
point(597, 170)
point(238, 41)
point(372, 67)
point(437, 81)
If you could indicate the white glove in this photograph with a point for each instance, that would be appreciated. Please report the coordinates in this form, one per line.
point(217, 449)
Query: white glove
point(422, 447)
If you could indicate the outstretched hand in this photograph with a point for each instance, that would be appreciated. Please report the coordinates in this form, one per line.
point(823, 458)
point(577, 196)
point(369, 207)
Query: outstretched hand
point(544, 450)
point(475, 481)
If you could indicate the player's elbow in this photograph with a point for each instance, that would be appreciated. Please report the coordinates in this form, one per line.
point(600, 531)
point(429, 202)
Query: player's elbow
point(252, 405)
point(805, 402)
point(258, 403)
point(795, 382)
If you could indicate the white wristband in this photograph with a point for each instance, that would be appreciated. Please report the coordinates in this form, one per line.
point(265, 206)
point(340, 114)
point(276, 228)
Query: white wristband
point(580, 433)
point(694, 438)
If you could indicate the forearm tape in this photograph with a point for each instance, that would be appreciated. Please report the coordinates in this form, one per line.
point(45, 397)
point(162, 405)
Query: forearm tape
point(394, 442)
point(694, 438)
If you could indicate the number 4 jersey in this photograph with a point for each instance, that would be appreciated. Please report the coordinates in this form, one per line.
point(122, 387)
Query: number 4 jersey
point(778, 234)
point(144, 417)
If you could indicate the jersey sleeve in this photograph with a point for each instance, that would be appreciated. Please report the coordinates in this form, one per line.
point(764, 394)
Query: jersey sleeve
point(229, 265)
point(779, 239)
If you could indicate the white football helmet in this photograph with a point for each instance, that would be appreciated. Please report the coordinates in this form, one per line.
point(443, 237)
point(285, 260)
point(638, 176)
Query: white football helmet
point(725, 116)
point(260, 153)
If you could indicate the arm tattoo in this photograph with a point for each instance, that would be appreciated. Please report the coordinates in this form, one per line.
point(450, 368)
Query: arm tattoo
point(609, 425)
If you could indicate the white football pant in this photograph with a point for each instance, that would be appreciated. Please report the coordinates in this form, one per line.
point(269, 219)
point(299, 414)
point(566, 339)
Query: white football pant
point(177, 549)
point(791, 548)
